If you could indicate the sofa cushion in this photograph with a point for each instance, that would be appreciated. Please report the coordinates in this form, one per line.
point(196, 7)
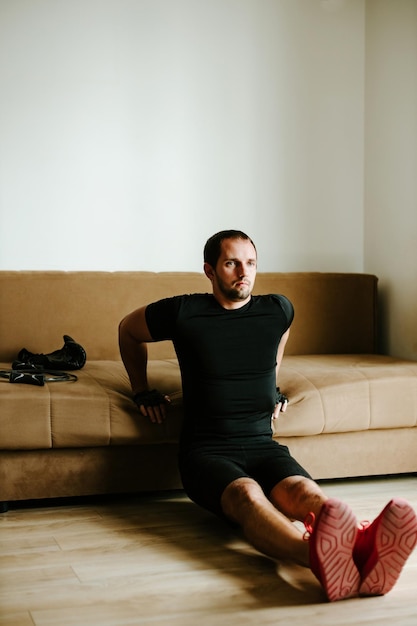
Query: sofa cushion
point(345, 393)
point(328, 394)
point(325, 321)
point(96, 410)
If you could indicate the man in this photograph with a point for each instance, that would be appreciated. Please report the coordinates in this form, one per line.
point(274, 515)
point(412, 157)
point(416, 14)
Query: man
point(230, 346)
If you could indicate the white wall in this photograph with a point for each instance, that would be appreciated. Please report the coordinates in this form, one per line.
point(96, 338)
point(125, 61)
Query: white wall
point(131, 130)
point(391, 168)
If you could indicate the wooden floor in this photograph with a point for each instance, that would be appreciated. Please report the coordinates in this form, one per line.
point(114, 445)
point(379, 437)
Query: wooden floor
point(160, 560)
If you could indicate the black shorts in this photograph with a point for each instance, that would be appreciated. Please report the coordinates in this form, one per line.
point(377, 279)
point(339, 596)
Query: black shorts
point(207, 470)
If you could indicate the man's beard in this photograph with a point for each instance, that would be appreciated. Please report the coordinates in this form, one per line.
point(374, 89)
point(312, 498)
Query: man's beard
point(235, 294)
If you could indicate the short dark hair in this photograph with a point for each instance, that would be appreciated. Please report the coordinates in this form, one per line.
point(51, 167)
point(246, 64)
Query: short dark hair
point(212, 249)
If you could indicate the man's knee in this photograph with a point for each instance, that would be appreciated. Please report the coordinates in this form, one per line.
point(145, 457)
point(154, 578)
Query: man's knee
point(294, 485)
point(238, 496)
point(295, 494)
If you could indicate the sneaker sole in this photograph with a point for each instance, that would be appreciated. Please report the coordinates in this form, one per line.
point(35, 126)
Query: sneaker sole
point(334, 539)
point(395, 539)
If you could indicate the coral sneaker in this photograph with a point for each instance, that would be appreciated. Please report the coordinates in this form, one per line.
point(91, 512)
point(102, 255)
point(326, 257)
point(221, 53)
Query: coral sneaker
point(383, 547)
point(332, 538)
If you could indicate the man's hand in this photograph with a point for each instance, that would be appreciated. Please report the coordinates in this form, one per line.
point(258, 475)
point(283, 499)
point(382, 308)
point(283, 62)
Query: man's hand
point(152, 404)
point(281, 403)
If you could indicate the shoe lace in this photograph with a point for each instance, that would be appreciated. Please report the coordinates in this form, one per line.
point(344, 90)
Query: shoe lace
point(309, 525)
point(363, 525)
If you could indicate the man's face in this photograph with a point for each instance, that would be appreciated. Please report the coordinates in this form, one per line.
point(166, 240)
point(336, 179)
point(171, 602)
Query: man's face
point(233, 277)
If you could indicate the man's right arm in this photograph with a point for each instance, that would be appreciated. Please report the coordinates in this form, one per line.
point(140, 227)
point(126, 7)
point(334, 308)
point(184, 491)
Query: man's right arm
point(134, 335)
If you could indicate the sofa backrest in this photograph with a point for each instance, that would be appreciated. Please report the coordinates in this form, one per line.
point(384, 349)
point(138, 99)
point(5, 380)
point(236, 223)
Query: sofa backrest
point(335, 313)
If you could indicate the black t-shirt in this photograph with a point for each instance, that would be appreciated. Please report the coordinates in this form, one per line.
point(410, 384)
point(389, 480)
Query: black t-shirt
point(227, 360)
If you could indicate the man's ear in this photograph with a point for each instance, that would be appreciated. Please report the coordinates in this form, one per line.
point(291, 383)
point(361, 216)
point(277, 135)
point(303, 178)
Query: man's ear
point(208, 270)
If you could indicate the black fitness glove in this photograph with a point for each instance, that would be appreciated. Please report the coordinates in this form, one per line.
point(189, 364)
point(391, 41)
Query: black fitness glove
point(280, 397)
point(71, 356)
point(149, 398)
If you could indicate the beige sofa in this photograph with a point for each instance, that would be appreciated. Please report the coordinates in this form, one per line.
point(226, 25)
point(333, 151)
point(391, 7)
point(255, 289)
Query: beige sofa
point(352, 412)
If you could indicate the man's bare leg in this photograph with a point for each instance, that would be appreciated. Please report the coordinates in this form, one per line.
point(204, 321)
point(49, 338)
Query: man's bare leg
point(267, 526)
point(268, 529)
point(297, 497)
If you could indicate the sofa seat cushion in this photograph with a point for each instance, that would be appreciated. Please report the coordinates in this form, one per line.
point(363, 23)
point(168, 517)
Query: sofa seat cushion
point(328, 394)
point(345, 393)
point(96, 410)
